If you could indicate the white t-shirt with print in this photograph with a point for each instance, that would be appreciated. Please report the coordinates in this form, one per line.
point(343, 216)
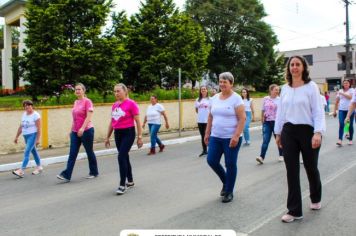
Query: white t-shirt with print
point(344, 103)
point(154, 113)
point(203, 109)
point(28, 122)
point(224, 116)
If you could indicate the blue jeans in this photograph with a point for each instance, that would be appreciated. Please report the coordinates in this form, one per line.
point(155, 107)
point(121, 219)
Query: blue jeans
point(87, 139)
point(267, 131)
point(342, 116)
point(327, 107)
point(154, 128)
point(247, 126)
point(124, 138)
point(30, 140)
point(217, 147)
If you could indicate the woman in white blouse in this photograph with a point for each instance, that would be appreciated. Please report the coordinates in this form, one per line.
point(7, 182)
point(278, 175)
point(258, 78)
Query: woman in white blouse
point(299, 127)
point(202, 105)
point(250, 114)
point(343, 100)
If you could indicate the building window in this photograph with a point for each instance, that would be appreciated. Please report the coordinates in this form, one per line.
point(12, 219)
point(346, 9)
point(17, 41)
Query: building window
point(309, 59)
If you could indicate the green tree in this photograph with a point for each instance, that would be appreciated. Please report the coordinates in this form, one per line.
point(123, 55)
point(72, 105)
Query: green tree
point(65, 45)
point(159, 40)
point(241, 41)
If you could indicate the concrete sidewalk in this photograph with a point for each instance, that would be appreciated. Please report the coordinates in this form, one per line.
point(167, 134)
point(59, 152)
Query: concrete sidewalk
point(56, 155)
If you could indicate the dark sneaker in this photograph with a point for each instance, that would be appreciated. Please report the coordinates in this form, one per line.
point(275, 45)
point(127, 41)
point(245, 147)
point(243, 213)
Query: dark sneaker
point(222, 192)
point(130, 185)
point(161, 147)
point(121, 190)
point(227, 197)
point(61, 177)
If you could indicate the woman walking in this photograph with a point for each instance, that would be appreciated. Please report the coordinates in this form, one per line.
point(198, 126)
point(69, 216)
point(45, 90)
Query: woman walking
point(268, 117)
point(30, 128)
point(82, 132)
point(223, 133)
point(342, 104)
point(299, 127)
point(250, 114)
point(202, 105)
point(124, 115)
point(153, 118)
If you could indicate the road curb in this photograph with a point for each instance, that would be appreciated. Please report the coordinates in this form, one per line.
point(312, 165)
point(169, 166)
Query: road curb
point(105, 152)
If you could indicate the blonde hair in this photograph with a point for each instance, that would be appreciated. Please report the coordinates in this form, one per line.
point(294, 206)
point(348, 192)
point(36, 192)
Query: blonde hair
point(123, 86)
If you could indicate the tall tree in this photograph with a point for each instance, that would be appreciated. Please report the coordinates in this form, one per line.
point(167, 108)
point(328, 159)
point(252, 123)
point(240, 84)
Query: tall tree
point(159, 40)
point(65, 46)
point(241, 41)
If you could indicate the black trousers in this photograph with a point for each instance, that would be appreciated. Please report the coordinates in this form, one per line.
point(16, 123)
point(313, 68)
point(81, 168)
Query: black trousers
point(202, 128)
point(296, 139)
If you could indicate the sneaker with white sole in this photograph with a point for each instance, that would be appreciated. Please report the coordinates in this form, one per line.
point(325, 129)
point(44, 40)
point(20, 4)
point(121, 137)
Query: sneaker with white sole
point(61, 177)
point(259, 160)
point(315, 206)
point(121, 190)
point(90, 176)
point(38, 170)
point(289, 218)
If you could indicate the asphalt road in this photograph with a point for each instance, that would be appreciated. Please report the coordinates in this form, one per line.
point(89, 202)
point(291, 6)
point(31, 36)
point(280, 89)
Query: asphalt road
point(177, 190)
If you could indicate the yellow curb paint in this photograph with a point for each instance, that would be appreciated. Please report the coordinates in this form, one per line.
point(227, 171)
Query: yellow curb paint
point(45, 128)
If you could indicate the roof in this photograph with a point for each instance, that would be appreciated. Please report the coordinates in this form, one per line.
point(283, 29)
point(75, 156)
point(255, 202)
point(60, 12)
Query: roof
point(9, 5)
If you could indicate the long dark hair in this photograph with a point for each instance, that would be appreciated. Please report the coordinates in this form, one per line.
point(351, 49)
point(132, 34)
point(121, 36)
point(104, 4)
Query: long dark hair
point(201, 95)
point(247, 93)
point(305, 75)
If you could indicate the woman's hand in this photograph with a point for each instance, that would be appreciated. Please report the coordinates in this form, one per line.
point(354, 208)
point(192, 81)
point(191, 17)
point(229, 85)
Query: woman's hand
point(107, 143)
point(139, 142)
point(206, 139)
point(334, 114)
point(167, 126)
point(316, 140)
point(234, 141)
point(16, 140)
point(80, 132)
point(278, 141)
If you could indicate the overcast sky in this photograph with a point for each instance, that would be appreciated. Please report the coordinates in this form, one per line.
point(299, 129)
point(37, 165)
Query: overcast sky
point(298, 24)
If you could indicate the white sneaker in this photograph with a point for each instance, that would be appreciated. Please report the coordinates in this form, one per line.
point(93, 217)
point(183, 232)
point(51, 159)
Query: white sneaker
point(280, 158)
point(121, 190)
point(259, 160)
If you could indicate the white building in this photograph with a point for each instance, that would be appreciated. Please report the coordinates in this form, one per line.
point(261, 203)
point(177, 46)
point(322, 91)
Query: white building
point(327, 64)
point(14, 13)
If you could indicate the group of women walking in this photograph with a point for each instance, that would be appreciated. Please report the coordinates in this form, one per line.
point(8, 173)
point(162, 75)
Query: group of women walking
point(295, 118)
point(124, 123)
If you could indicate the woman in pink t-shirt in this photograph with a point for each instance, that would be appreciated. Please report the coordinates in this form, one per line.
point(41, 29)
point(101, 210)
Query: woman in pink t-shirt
point(82, 133)
point(124, 114)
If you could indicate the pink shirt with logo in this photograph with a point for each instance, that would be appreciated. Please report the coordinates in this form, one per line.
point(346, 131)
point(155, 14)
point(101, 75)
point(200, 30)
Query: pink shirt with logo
point(122, 115)
point(79, 113)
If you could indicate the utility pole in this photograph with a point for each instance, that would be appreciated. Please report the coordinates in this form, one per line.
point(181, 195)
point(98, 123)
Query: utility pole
point(347, 46)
